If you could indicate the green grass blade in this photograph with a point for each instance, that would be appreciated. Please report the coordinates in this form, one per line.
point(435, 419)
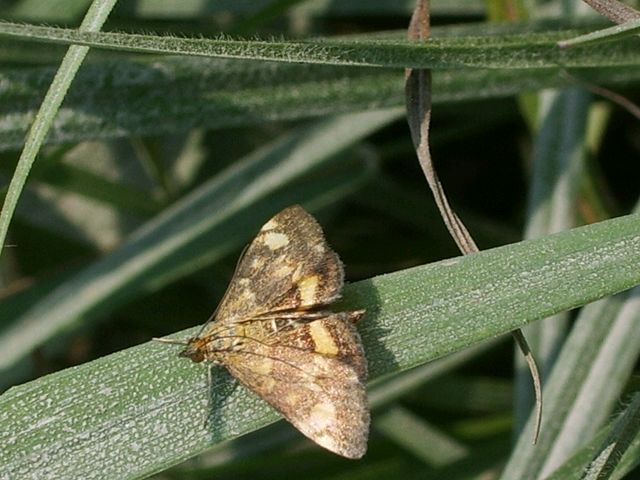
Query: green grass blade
point(185, 9)
point(95, 17)
point(11, 307)
point(625, 431)
point(159, 402)
point(590, 374)
point(270, 11)
point(630, 459)
point(525, 50)
point(418, 437)
point(205, 225)
point(578, 463)
point(389, 390)
point(559, 155)
point(617, 444)
point(197, 92)
point(606, 379)
point(217, 93)
point(54, 11)
point(616, 32)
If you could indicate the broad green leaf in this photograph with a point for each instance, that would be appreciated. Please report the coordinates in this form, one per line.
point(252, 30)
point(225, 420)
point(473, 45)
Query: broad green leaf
point(141, 410)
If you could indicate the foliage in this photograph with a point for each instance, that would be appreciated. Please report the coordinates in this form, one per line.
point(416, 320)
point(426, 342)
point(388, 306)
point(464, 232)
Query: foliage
point(159, 155)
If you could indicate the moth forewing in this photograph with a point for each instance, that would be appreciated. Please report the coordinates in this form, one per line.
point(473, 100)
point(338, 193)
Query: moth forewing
point(274, 332)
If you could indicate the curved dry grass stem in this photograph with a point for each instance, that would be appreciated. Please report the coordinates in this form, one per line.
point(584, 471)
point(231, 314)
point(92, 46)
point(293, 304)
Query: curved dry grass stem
point(520, 339)
point(615, 11)
point(418, 101)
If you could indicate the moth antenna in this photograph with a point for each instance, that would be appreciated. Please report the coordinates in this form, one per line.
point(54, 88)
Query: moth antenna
point(170, 340)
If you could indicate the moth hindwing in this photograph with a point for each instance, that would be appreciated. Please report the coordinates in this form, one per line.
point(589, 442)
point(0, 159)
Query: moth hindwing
point(275, 334)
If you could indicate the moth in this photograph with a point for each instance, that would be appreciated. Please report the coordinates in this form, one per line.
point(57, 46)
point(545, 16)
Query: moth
point(275, 333)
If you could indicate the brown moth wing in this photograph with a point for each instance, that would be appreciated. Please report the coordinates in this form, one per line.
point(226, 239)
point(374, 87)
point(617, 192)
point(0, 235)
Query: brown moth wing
point(273, 334)
point(288, 265)
point(333, 335)
point(314, 376)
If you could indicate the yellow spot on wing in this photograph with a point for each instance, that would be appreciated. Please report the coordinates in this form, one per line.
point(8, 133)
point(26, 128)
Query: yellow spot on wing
point(263, 367)
point(294, 397)
point(283, 271)
point(307, 287)
point(248, 296)
point(322, 416)
point(270, 225)
point(275, 240)
point(268, 384)
point(257, 262)
point(322, 339)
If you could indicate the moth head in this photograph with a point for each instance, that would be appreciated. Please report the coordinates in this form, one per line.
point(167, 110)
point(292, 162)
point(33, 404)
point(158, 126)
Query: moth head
point(195, 350)
point(195, 347)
